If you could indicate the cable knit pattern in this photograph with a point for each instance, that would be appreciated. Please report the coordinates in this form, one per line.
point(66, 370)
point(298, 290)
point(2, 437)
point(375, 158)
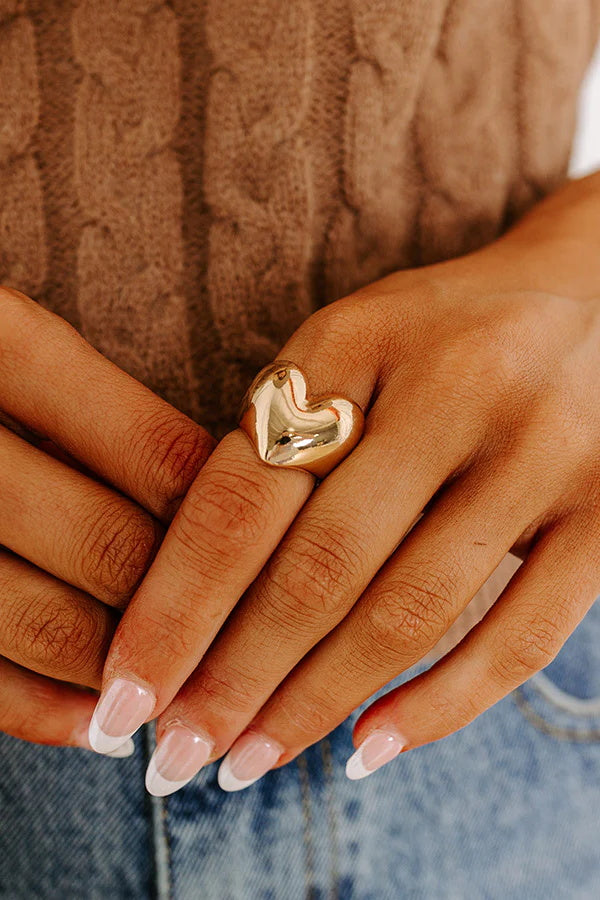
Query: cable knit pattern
point(53, 145)
point(257, 176)
point(381, 183)
point(186, 182)
point(22, 240)
point(128, 178)
point(467, 112)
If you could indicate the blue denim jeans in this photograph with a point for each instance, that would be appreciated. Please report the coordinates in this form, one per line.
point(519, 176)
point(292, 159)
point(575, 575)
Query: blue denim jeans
point(509, 807)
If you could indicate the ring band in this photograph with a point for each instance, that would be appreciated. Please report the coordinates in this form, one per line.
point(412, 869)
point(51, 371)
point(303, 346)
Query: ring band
point(290, 431)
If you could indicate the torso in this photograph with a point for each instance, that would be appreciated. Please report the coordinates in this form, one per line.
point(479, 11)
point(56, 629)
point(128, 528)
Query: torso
point(187, 182)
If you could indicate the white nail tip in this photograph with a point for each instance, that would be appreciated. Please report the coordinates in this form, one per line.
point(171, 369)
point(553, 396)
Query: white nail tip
point(355, 768)
point(379, 748)
point(159, 786)
point(126, 749)
point(228, 781)
point(102, 742)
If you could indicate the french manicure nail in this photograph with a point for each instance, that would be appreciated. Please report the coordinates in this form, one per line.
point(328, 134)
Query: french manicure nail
point(120, 711)
point(126, 749)
point(180, 753)
point(250, 757)
point(82, 739)
point(375, 751)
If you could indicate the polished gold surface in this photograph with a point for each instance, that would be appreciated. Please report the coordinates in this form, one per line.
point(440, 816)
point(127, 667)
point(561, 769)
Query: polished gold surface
point(289, 430)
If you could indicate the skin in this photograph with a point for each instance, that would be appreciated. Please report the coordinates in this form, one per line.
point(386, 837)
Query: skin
point(92, 468)
point(275, 609)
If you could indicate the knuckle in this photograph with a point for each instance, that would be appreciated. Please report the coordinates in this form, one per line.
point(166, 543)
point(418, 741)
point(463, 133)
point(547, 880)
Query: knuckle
point(560, 424)
point(503, 351)
point(117, 550)
point(200, 552)
point(13, 302)
point(19, 320)
point(173, 632)
point(333, 324)
point(171, 450)
point(491, 359)
point(229, 507)
point(449, 710)
point(10, 302)
point(336, 328)
point(227, 689)
point(24, 324)
point(518, 341)
point(527, 648)
point(407, 617)
point(315, 573)
point(168, 644)
point(305, 713)
point(58, 634)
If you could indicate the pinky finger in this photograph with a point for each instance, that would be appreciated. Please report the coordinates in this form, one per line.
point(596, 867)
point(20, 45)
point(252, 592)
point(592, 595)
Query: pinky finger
point(37, 709)
point(535, 614)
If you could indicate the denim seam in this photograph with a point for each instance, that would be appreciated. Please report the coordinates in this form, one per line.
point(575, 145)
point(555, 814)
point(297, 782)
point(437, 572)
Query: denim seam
point(590, 735)
point(327, 761)
point(160, 836)
point(574, 706)
point(307, 836)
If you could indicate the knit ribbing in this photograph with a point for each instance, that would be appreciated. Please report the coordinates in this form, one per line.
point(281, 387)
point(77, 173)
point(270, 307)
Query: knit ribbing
point(188, 143)
point(465, 112)
point(212, 173)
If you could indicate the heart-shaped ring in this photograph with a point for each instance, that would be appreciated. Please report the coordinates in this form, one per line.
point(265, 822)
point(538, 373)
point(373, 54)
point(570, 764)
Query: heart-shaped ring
point(289, 430)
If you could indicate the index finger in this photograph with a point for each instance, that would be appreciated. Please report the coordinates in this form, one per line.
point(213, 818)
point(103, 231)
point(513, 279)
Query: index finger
point(231, 520)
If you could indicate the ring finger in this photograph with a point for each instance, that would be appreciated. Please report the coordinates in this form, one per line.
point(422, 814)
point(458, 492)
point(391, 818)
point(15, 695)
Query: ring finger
point(227, 527)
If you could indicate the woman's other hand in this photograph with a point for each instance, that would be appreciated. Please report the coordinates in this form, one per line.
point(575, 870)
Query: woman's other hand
point(83, 507)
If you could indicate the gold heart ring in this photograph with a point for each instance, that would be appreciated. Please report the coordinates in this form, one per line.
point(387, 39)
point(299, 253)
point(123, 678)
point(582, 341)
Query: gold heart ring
point(288, 430)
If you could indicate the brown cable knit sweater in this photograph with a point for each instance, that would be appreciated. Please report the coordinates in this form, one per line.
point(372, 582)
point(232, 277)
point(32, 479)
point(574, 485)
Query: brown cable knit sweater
point(187, 181)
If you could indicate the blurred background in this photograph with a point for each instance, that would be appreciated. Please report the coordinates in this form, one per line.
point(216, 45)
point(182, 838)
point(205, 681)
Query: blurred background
point(586, 151)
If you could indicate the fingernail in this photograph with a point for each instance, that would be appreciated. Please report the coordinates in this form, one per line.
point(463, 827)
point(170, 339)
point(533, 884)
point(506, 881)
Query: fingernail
point(250, 757)
point(375, 751)
point(180, 753)
point(82, 739)
point(120, 711)
point(126, 749)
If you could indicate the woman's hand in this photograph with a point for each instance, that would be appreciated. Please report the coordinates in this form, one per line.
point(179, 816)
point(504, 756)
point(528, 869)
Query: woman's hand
point(480, 380)
point(84, 503)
